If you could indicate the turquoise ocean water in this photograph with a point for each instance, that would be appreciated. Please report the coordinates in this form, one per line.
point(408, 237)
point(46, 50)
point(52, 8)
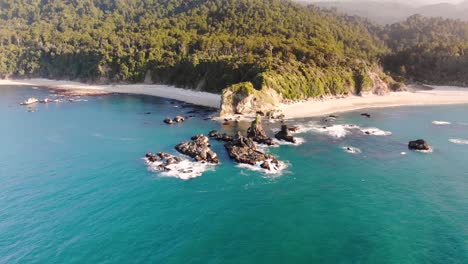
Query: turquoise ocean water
point(74, 189)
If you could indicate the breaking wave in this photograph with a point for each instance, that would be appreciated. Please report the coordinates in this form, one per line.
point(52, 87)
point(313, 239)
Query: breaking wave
point(274, 171)
point(340, 130)
point(184, 170)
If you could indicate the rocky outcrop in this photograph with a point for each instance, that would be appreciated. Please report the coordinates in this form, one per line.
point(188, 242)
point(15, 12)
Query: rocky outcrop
point(285, 135)
point(244, 99)
point(198, 149)
point(419, 144)
point(257, 133)
point(243, 150)
point(164, 158)
point(220, 137)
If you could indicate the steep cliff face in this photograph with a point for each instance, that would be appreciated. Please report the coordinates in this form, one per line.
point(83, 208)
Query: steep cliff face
point(244, 99)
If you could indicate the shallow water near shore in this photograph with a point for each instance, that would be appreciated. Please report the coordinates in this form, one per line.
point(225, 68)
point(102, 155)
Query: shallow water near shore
point(74, 188)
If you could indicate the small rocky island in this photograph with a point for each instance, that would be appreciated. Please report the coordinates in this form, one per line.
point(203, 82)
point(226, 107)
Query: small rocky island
point(285, 134)
point(419, 144)
point(257, 133)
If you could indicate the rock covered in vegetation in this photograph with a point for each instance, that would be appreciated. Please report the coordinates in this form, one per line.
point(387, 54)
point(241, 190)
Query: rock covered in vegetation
point(257, 133)
point(198, 149)
point(243, 150)
point(419, 144)
point(285, 135)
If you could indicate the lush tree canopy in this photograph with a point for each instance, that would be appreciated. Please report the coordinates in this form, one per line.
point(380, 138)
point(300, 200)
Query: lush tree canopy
point(213, 44)
point(432, 50)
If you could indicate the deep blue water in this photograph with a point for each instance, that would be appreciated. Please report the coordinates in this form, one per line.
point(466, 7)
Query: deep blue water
point(74, 189)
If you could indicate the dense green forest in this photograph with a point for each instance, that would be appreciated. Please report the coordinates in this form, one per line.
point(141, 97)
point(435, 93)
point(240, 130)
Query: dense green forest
point(430, 50)
point(214, 44)
point(204, 44)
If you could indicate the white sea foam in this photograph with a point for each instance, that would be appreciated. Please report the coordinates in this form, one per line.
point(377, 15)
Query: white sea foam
point(459, 141)
point(184, 170)
point(375, 131)
point(430, 150)
point(340, 130)
point(352, 150)
point(441, 123)
point(403, 153)
point(275, 170)
point(299, 141)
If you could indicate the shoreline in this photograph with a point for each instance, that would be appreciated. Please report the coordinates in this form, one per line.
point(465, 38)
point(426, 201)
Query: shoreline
point(415, 96)
point(165, 91)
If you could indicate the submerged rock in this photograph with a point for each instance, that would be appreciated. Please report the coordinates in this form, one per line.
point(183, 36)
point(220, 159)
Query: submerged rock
point(198, 149)
point(257, 133)
point(419, 144)
point(168, 121)
point(285, 135)
point(243, 150)
point(179, 119)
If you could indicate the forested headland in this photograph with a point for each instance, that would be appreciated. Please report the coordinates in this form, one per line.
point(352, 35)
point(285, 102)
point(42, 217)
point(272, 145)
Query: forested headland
point(247, 46)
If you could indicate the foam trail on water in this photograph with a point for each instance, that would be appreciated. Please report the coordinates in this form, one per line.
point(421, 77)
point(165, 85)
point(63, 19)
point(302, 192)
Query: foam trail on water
point(375, 131)
point(459, 141)
point(275, 170)
point(352, 150)
point(441, 123)
point(299, 141)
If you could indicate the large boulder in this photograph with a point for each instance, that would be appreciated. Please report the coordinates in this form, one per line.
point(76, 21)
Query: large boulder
point(198, 149)
point(285, 135)
point(419, 144)
point(257, 133)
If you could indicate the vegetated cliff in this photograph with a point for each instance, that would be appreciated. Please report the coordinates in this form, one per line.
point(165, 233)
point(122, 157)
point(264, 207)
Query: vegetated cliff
point(272, 88)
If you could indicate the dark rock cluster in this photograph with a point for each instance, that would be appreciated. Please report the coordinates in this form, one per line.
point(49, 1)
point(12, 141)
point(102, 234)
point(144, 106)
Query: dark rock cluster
point(198, 149)
point(243, 150)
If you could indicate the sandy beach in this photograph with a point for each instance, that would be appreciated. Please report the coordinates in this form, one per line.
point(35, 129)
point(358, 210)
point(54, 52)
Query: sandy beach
point(436, 95)
point(170, 92)
point(439, 95)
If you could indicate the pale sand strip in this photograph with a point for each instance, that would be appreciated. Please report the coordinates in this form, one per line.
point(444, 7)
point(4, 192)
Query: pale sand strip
point(170, 92)
point(440, 95)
